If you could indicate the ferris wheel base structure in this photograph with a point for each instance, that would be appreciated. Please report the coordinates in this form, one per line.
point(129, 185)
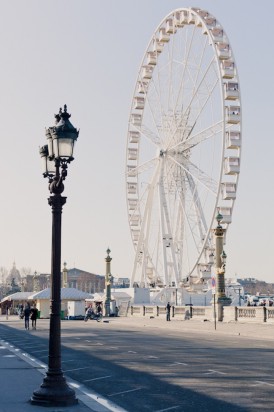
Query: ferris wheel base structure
point(183, 150)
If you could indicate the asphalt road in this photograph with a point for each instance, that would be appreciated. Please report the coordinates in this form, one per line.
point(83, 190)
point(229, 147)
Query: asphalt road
point(157, 369)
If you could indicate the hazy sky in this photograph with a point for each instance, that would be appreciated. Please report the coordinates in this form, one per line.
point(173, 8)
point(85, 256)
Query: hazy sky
point(87, 54)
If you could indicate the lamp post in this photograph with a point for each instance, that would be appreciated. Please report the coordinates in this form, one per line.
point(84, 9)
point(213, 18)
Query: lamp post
point(54, 391)
point(220, 264)
point(108, 279)
point(65, 276)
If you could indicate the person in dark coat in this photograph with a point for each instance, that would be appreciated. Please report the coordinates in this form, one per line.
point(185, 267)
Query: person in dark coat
point(168, 307)
point(33, 316)
point(27, 316)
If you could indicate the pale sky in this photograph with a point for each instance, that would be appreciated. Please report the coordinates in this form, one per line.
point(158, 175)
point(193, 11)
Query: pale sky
point(87, 54)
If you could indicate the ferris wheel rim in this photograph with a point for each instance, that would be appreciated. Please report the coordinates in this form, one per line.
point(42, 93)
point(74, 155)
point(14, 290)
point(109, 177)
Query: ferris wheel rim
point(197, 14)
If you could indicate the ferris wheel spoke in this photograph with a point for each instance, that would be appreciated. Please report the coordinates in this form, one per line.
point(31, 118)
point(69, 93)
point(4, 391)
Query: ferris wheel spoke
point(197, 87)
point(198, 67)
point(142, 167)
point(142, 249)
point(152, 108)
point(187, 221)
point(197, 138)
point(198, 175)
point(169, 68)
point(180, 89)
point(201, 221)
point(201, 109)
point(155, 139)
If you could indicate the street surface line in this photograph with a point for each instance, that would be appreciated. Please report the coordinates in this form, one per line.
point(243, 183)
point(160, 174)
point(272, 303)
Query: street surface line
point(213, 371)
point(77, 369)
point(180, 363)
point(121, 393)
point(131, 351)
point(265, 383)
point(168, 409)
point(96, 379)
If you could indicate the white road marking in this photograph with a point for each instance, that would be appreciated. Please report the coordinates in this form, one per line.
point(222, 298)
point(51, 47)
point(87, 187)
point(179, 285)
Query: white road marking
point(76, 369)
point(265, 383)
point(211, 371)
point(168, 409)
point(131, 351)
point(153, 357)
point(96, 379)
point(180, 363)
point(121, 393)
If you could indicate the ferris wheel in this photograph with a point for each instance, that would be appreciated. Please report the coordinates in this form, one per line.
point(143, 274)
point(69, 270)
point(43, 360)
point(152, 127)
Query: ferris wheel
point(183, 148)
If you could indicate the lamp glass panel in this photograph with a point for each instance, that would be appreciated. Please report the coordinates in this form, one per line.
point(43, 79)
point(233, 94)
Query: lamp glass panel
point(51, 167)
point(50, 146)
point(44, 164)
point(55, 148)
point(65, 147)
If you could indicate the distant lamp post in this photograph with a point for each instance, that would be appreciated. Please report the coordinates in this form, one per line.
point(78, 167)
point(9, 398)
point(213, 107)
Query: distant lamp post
point(108, 281)
point(220, 265)
point(56, 156)
point(36, 282)
point(65, 276)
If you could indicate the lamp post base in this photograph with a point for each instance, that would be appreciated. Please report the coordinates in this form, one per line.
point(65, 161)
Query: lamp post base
point(54, 391)
point(107, 308)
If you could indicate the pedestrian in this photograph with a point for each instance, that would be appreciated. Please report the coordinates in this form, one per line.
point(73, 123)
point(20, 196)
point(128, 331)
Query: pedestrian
point(116, 311)
point(26, 316)
point(33, 316)
point(99, 309)
point(168, 307)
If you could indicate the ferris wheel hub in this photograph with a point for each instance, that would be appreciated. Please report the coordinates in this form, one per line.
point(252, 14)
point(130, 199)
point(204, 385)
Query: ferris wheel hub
point(161, 152)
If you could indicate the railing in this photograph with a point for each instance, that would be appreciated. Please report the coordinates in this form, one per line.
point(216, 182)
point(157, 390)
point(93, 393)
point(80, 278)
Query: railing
point(246, 313)
point(229, 314)
point(178, 312)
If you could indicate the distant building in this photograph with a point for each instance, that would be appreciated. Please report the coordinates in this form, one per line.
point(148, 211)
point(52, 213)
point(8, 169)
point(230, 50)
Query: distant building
point(85, 281)
point(121, 282)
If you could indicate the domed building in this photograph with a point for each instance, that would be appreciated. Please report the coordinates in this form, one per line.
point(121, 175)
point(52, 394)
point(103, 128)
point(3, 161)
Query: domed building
point(14, 274)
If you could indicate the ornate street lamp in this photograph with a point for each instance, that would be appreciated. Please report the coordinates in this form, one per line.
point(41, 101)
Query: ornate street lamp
point(220, 265)
point(108, 281)
point(54, 391)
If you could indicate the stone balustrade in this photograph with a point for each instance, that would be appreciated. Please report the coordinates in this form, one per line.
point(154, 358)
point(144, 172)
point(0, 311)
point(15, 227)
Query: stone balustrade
point(255, 314)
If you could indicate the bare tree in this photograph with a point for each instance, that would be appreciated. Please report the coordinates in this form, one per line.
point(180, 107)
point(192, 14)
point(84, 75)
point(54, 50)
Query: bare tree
point(3, 274)
point(25, 271)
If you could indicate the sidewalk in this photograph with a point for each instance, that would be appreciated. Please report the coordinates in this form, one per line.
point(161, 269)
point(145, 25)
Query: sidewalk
point(22, 375)
point(250, 330)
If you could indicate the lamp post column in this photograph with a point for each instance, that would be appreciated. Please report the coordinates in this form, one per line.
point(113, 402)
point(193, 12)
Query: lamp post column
point(54, 391)
point(220, 258)
point(108, 279)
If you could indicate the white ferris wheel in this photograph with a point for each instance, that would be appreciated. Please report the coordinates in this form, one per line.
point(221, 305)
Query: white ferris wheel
point(183, 148)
